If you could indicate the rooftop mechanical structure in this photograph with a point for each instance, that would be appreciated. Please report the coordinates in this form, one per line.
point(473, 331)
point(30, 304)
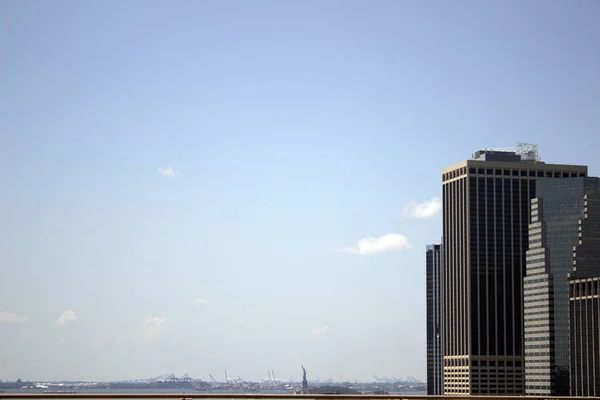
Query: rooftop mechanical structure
point(527, 151)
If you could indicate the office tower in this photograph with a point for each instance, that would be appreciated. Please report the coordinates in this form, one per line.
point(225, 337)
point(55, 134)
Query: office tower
point(435, 367)
point(486, 207)
point(553, 232)
point(584, 304)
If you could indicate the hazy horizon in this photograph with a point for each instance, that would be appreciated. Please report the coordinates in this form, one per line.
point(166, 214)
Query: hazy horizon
point(196, 186)
point(163, 378)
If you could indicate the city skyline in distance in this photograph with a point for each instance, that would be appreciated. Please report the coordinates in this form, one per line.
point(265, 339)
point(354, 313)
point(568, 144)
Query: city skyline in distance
point(185, 377)
point(207, 187)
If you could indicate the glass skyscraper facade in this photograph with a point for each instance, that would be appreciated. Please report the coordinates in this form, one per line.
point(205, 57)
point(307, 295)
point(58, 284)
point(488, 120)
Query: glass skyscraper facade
point(435, 366)
point(553, 233)
point(584, 303)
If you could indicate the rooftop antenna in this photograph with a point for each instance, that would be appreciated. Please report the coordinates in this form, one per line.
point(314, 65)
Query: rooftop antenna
point(527, 151)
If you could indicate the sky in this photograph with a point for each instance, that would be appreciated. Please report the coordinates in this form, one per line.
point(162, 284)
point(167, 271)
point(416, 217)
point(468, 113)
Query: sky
point(193, 186)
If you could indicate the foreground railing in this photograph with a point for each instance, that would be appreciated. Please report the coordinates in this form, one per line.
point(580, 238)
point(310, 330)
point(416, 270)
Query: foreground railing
point(258, 396)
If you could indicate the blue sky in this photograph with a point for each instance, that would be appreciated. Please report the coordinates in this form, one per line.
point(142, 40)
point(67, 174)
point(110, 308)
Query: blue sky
point(186, 183)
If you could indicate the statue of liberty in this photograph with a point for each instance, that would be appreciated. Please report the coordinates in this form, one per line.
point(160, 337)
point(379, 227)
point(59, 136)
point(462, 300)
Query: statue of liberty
point(304, 381)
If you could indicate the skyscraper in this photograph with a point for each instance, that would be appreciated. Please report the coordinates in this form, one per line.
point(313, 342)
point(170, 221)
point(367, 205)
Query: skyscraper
point(553, 232)
point(486, 207)
point(584, 304)
point(435, 366)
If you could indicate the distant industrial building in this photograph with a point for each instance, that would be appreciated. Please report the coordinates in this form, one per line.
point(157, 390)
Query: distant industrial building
point(584, 304)
point(553, 232)
point(486, 213)
point(435, 365)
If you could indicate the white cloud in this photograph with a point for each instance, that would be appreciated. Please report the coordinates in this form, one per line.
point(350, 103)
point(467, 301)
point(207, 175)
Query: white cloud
point(26, 333)
point(152, 327)
point(148, 329)
point(119, 338)
point(168, 172)
point(66, 317)
point(369, 245)
point(7, 317)
point(242, 321)
point(320, 331)
point(200, 302)
point(155, 321)
point(116, 338)
point(424, 209)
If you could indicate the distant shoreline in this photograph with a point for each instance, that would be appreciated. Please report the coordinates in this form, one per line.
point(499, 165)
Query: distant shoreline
point(175, 391)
